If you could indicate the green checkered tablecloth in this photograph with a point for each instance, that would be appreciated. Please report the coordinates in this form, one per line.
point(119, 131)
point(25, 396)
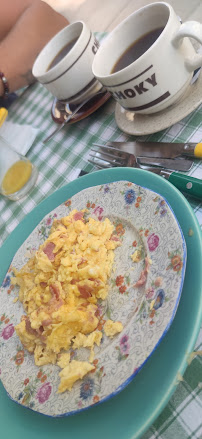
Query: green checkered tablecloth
point(59, 162)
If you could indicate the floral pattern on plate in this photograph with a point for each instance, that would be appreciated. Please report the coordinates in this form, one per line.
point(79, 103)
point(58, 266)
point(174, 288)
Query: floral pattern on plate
point(144, 294)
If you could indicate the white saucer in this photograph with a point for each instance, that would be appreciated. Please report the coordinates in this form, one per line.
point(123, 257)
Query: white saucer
point(137, 124)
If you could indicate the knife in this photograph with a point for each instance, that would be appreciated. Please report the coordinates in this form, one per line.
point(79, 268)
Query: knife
point(178, 164)
point(189, 185)
point(158, 149)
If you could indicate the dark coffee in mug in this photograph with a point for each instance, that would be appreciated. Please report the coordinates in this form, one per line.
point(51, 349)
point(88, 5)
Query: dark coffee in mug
point(136, 49)
point(62, 53)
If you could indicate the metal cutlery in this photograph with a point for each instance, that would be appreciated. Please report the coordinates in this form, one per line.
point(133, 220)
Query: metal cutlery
point(112, 157)
point(69, 117)
point(177, 164)
point(158, 149)
point(66, 120)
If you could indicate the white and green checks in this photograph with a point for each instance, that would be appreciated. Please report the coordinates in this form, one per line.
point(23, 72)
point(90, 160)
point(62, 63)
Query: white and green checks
point(58, 162)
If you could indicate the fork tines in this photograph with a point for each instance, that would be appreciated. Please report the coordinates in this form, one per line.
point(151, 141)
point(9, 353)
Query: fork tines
point(106, 157)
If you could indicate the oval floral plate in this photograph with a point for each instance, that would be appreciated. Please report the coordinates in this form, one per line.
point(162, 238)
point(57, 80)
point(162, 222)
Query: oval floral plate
point(145, 302)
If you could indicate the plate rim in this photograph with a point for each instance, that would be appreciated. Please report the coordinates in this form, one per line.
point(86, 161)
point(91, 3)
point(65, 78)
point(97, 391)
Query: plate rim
point(101, 176)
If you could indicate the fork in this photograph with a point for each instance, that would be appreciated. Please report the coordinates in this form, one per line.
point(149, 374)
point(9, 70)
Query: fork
point(105, 157)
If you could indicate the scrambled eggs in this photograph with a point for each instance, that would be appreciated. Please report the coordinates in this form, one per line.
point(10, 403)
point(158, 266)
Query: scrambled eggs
point(111, 328)
point(59, 288)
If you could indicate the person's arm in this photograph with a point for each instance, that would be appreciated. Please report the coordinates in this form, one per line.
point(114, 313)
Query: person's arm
point(35, 25)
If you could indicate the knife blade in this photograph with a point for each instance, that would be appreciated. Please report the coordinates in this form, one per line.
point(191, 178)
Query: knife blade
point(158, 149)
point(177, 164)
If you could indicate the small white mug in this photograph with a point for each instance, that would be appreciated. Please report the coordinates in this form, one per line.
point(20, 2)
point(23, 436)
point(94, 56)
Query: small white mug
point(162, 73)
point(71, 79)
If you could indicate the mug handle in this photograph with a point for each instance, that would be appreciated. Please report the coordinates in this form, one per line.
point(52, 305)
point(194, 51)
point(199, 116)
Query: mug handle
point(192, 29)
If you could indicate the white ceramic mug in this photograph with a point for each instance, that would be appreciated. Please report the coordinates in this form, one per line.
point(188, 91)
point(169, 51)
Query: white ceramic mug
point(71, 79)
point(160, 75)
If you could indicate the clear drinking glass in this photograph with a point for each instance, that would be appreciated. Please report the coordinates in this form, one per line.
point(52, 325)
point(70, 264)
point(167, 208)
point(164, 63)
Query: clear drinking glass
point(17, 174)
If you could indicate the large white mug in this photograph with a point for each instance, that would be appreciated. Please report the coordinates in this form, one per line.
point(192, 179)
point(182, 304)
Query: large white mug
point(71, 78)
point(162, 73)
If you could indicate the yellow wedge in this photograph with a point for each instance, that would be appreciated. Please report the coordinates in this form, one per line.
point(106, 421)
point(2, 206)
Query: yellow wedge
point(3, 115)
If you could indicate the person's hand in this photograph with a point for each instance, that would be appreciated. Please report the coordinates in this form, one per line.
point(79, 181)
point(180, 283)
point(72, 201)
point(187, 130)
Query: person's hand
point(30, 28)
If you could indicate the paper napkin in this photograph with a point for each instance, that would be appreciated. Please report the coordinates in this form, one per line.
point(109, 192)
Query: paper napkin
point(20, 137)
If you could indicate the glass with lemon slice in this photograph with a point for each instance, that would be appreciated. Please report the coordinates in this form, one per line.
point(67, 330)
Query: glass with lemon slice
point(17, 174)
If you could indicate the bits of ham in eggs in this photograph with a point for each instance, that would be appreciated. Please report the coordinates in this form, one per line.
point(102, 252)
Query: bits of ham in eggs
point(59, 288)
